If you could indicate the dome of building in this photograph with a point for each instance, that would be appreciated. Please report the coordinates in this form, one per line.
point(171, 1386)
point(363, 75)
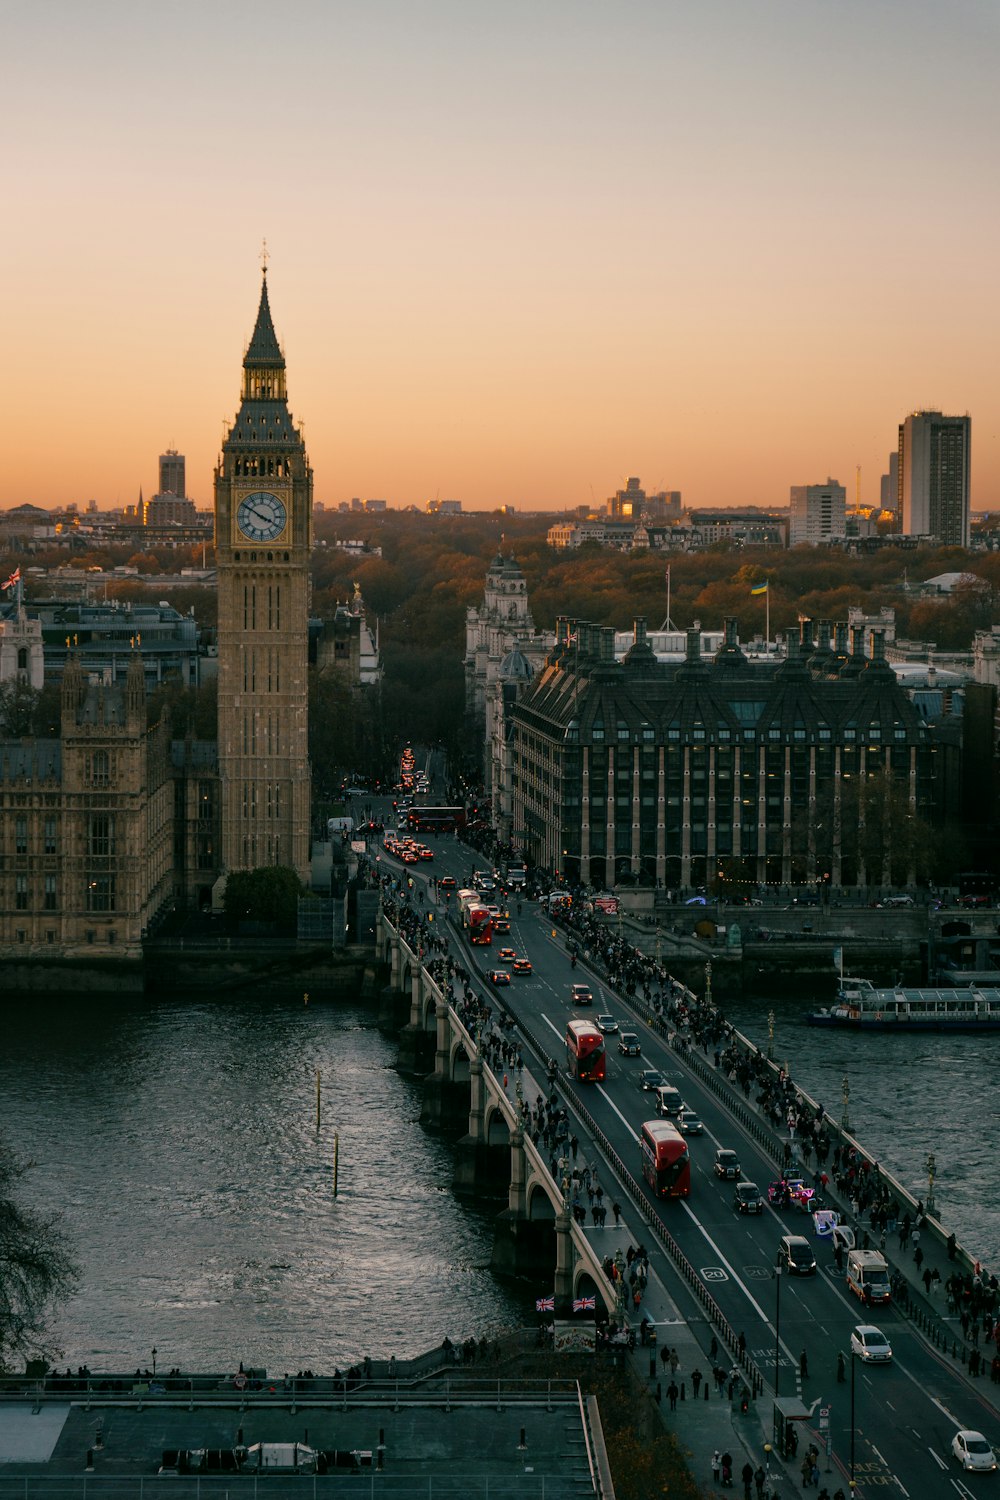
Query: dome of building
point(516, 667)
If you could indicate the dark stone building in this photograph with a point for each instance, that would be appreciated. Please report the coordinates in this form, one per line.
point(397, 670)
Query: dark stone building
point(721, 773)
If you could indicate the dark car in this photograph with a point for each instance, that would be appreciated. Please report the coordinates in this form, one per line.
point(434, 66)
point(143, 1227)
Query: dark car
point(628, 1044)
point(498, 976)
point(580, 994)
point(521, 965)
point(727, 1165)
point(747, 1198)
point(650, 1078)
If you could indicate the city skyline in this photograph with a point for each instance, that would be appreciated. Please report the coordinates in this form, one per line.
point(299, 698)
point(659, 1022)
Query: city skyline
point(514, 257)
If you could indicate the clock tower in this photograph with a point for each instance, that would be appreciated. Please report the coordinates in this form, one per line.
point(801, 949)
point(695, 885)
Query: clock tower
point(263, 536)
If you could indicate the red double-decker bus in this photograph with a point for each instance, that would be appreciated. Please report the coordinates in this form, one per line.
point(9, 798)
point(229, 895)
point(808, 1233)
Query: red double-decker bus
point(585, 1052)
point(480, 925)
point(666, 1162)
point(435, 819)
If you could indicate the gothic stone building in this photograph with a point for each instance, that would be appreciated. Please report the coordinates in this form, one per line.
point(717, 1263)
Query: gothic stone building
point(105, 829)
point(87, 826)
point(719, 773)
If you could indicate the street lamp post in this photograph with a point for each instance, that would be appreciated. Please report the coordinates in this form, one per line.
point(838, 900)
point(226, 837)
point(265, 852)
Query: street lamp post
point(154, 1361)
point(777, 1323)
point(845, 1118)
point(931, 1174)
point(854, 1361)
point(770, 1035)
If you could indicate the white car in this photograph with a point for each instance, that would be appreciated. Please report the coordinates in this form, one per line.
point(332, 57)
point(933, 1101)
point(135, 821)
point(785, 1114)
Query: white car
point(870, 1344)
point(973, 1451)
point(607, 1024)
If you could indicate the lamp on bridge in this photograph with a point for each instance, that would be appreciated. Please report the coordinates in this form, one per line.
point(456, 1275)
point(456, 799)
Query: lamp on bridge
point(931, 1174)
point(845, 1118)
point(770, 1035)
point(154, 1360)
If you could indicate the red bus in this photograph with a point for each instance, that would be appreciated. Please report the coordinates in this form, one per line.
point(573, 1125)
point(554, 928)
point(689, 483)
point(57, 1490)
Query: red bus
point(435, 819)
point(666, 1164)
point(480, 925)
point(585, 1052)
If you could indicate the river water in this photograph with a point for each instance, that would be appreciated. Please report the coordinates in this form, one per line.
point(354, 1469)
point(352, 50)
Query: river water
point(180, 1142)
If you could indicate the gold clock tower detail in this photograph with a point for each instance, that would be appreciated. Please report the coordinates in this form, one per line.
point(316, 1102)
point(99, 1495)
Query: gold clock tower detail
point(263, 536)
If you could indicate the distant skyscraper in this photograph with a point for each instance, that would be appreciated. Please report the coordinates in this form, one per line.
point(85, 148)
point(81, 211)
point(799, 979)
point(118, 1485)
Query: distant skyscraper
point(172, 473)
point(889, 491)
point(627, 504)
point(934, 476)
point(817, 513)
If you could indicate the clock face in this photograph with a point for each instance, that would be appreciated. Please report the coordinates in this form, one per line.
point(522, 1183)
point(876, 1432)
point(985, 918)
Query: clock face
point(261, 517)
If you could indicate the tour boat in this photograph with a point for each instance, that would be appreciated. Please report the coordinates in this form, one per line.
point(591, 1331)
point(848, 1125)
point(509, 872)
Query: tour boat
point(862, 1006)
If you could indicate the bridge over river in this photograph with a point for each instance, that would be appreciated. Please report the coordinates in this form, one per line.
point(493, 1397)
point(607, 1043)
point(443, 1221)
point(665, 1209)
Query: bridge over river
point(713, 1280)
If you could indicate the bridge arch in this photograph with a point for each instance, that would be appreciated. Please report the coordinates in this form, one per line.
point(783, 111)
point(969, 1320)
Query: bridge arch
point(497, 1129)
point(460, 1068)
point(539, 1205)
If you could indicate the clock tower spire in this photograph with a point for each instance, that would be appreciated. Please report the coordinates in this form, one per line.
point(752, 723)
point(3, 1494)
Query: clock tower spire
point(263, 537)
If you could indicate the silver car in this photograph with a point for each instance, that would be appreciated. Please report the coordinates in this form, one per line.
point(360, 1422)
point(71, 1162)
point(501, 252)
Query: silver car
point(870, 1344)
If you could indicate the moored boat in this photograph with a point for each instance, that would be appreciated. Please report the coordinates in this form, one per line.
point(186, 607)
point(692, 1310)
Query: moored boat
point(863, 1006)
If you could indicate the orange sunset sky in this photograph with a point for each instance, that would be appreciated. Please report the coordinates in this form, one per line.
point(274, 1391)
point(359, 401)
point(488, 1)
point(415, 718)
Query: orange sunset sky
point(517, 251)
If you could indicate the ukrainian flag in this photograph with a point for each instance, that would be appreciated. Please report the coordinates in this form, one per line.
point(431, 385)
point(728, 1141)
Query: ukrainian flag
point(758, 588)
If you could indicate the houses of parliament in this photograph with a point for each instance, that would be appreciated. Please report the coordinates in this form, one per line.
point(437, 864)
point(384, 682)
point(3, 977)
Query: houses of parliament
point(113, 824)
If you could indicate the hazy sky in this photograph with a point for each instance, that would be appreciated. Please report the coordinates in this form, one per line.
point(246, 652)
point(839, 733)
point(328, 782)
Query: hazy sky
point(518, 250)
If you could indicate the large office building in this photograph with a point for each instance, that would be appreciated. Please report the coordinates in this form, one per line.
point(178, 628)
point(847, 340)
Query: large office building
point(817, 514)
point(718, 772)
point(933, 477)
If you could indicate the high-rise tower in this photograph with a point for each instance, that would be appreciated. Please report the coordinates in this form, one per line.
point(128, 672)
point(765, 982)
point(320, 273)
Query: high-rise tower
point(172, 480)
point(263, 535)
point(934, 476)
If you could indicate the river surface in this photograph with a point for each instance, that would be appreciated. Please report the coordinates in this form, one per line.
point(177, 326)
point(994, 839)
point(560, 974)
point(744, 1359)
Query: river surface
point(180, 1142)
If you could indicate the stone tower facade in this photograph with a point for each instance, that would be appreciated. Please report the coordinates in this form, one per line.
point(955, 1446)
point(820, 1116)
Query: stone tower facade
point(263, 537)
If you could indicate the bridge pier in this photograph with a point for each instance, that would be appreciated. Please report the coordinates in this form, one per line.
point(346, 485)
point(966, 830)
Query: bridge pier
point(481, 1169)
point(523, 1247)
point(446, 1103)
point(416, 1044)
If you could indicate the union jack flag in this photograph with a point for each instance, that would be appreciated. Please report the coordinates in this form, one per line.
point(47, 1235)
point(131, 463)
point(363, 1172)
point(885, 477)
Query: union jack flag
point(15, 577)
point(545, 1304)
point(584, 1304)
